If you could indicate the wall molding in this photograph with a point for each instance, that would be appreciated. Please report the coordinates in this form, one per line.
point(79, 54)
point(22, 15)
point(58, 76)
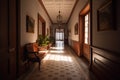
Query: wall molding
point(75, 45)
point(106, 50)
point(105, 63)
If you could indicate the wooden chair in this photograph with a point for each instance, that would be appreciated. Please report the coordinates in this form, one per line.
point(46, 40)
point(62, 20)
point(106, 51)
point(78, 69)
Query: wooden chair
point(32, 53)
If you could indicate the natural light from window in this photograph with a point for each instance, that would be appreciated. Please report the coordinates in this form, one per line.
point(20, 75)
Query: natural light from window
point(58, 57)
point(57, 51)
point(59, 43)
point(58, 47)
point(86, 29)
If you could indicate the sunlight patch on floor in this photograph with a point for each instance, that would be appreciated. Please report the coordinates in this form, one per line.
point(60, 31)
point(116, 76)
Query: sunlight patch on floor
point(57, 48)
point(56, 51)
point(57, 57)
point(46, 51)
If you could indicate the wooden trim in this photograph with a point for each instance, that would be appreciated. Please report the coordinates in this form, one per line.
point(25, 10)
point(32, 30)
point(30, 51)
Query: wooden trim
point(41, 18)
point(4, 24)
point(19, 56)
point(75, 47)
point(18, 8)
point(72, 11)
point(43, 25)
point(86, 9)
point(105, 63)
point(37, 25)
point(90, 66)
point(109, 51)
point(40, 1)
point(84, 50)
point(81, 36)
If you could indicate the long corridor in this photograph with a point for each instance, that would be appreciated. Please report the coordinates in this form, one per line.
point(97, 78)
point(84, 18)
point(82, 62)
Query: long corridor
point(59, 64)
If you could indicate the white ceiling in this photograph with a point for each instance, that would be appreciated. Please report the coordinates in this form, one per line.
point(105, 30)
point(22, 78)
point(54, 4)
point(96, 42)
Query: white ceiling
point(53, 6)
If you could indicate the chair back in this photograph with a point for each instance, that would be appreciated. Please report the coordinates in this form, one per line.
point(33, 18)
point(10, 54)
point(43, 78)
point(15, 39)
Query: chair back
point(32, 47)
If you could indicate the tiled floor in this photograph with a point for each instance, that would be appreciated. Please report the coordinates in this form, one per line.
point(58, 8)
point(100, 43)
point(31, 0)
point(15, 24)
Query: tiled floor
point(59, 64)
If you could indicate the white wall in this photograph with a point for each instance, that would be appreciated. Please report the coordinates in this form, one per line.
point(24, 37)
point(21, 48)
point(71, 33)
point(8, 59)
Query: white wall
point(31, 8)
point(74, 19)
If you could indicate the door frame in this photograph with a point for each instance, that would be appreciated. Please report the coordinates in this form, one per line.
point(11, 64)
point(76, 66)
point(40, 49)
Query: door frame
point(43, 25)
point(82, 13)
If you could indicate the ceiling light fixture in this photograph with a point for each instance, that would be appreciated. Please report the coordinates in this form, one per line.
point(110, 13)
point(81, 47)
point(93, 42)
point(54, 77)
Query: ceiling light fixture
point(59, 18)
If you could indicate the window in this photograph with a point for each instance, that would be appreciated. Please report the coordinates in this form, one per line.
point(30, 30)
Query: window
point(59, 34)
point(60, 38)
point(86, 35)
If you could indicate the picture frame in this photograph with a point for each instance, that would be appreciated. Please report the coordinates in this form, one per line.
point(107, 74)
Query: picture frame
point(105, 17)
point(30, 22)
point(76, 29)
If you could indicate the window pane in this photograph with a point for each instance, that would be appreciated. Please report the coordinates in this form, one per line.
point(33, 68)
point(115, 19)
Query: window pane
point(86, 29)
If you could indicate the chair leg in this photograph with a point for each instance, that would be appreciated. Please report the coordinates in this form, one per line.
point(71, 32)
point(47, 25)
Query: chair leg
point(39, 64)
point(28, 64)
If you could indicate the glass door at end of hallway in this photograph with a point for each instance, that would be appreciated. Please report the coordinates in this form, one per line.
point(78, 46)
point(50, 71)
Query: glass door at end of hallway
point(59, 38)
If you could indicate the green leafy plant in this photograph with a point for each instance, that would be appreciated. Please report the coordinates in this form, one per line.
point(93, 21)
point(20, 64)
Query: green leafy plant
point(51, 39)
point(42, 40)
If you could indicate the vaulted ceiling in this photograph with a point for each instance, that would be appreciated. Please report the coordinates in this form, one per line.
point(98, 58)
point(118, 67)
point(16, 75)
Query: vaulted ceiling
point(52, 8)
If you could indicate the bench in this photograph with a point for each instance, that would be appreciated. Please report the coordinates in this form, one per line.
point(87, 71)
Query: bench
point(32, 53)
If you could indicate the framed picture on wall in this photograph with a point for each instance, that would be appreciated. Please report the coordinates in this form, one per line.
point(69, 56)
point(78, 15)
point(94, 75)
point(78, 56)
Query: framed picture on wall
point(105, 17)
point(30, 22)
point(76, 29)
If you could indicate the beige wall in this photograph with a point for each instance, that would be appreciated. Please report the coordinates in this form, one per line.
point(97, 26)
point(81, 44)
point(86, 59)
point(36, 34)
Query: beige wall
point(74, 19)
point(31, 8)
point(106, 39)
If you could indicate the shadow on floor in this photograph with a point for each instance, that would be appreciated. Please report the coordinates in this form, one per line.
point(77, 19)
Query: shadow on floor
point(84, 65)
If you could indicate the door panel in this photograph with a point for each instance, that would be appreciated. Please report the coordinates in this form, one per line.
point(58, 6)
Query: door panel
point(3, 39)
point(86, 46)
point(7, 39)
point(12, 39)
point(86, 51)
point(41, 26)
point(43, 29)
point(81, 36)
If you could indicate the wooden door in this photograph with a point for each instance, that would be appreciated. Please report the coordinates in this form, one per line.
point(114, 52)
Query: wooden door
point(81, 36)
point(39, 28)
point(43, 29)
point(84, 43)
point(3, 39)
point(41, 25)
point(7, 39)
point(86, 39)
point(12, 39)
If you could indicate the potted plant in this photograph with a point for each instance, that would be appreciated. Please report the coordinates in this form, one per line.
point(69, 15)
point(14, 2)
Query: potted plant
point(51, 40)
point(43, 42)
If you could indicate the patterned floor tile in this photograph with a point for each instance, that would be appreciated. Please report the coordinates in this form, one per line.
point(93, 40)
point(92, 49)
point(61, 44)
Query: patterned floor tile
point(57, 66)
